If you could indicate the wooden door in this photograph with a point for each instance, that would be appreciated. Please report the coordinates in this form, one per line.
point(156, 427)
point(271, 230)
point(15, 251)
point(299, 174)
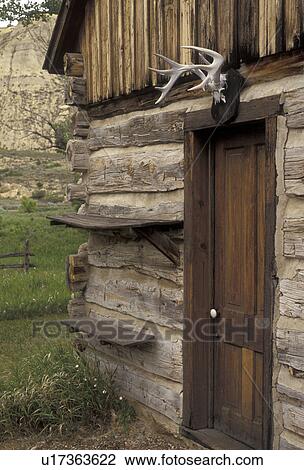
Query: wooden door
point(239, 276)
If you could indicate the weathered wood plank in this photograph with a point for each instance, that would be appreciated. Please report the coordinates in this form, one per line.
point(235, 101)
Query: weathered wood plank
point(226, 29)
point(294, 171)
point(161, 128)
point(76, 192)
point(248, 29)
point(123, 250)
point(149, 169)
point(294, 237)
point(290, 386)
point(161, 242)
point(290, 342)
point(76, 91)
point(292, 298)
point(163, 396)
point(206, 19)
point(291, 441)
point(293, 418)
point(129, 292)
point(77, 273)
point(81, 124)
point(76, 307)
point(270, 27)
point(294, 108)
point(162, 358)
point(293, 23)
point(77, 154)
point(149, 206)
point(73, 64)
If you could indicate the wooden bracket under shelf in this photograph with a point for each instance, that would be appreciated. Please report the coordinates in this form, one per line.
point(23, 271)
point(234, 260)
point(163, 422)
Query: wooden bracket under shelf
point(161, 242)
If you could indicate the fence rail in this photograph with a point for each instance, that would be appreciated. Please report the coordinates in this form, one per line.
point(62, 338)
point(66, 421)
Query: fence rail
point(26, 255)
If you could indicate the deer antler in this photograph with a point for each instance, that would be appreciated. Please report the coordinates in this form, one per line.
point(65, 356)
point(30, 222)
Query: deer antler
point(208, 72)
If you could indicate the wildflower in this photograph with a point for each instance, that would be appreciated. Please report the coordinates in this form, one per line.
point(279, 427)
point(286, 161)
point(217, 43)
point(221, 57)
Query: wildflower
point(104, 392)
point(95, 386)
point(120, 398)
point(77, 366)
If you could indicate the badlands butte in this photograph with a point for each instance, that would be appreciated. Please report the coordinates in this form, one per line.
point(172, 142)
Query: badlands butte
point(31, 111)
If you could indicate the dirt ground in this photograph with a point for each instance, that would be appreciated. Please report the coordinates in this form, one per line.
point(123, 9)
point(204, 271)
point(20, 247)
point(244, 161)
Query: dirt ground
point(140, 435)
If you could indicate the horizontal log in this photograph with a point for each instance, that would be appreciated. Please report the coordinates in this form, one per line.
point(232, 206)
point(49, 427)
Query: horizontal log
point(293, 418)
point(294, 171)
point(77, 192)
point(290, 386)
point(294, 108)
point(131, 293)
point(75, 91)
point(152, 129)
point(291, 441)
point(15, 255)
point(78, 155)
point(123, 250)
point(16, 266)
point(164, 396)
point(76, 307)
point(73, 64)
point(290, 342)
point(292, 298)
point(162, 358)
point(151, 169)
point(294, 237)
point(81, 124)
point(153, 206)
point(77, 273)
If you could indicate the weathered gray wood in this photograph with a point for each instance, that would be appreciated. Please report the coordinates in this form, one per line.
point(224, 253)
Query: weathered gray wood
point(292, 298)
point(75, 91)
point(123, 250)
point(73, 64)
point(294, 171)
point(294, 237)
point(81, 124)
point(160, 210)
point(94, 222)
point(78, 155)
point(290, 441)
point(161, 128)
point(290, 386)
point(290, 342)
point(162, 243)
point(131, 293)
point(76, 192)
point(77, 273)
point(293, 418)
point(294, 108)
point(110, 330)
point(162, 358)
point(163, 396)
point(76, 307)
point(157, 168)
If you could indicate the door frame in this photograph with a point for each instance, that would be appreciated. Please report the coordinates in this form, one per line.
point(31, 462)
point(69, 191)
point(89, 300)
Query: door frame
point(199, 250)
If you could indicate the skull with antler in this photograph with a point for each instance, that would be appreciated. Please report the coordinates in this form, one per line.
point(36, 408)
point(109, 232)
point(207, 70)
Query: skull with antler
point(209, 72)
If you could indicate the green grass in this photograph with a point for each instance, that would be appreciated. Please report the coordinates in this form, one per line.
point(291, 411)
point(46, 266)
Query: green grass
point(43, 290)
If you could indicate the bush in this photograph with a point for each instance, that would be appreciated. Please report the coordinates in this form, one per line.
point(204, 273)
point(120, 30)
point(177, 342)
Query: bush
point(55, 390)
point(38, 194)
point(28, 205)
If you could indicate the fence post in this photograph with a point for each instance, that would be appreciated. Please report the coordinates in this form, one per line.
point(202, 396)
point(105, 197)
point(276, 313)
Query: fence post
point(26, 265)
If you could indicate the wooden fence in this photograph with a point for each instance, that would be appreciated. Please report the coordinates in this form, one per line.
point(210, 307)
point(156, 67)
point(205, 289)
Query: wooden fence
point(26, 255)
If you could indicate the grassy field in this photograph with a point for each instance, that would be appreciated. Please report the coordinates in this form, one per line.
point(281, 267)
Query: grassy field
point(43, 290)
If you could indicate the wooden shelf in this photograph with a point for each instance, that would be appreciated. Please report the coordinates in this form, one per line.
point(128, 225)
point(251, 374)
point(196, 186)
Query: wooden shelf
point(102, 330)
point(96, 222)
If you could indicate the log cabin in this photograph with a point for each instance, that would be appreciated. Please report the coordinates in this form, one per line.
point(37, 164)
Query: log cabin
point(191, 284)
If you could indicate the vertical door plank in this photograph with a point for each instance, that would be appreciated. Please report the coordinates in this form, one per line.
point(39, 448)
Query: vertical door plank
point(198, 284)
point(248, 379)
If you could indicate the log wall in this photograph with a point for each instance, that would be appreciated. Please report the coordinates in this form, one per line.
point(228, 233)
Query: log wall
point(132, 163)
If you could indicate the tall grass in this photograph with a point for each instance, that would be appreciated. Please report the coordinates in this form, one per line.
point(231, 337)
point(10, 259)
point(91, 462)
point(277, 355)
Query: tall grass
point(55, 390)
point(43, 290)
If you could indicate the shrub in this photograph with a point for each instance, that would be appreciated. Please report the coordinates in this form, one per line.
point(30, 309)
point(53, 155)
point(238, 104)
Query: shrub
point(28, 205)
point(55, 390)
point(38, 194)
